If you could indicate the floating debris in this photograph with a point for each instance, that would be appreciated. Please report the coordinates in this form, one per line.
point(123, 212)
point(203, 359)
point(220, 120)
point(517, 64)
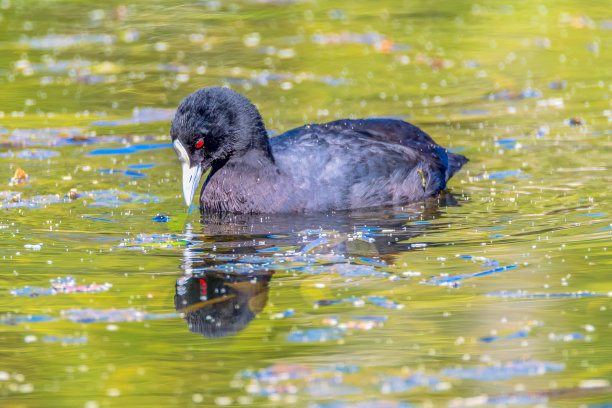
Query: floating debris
point(142, 241)
point(567, 337)
point(12, 199)
point(173, 68)
point(283, 314)
point(65, 340)
point(499, 372)
point(498, 175)
point(114, 198)
point(31, 154)
point(380, 42)
point(476, 112)
point(252, 259)
point(247, 263)
point(355, 324)
point(61, 285)
point(574, 122)
point(16, 319)
point(363, 404)
point(285, 78)
point(330, 387)
point(112, 315)
point(53, 41)
point(315, 335)
point(348, 270)
point(491, 263)
point(471, 64)
point(20, 177)
point(38, 154)
point(102, 198)
point(516, 335)
point(233, 268)
point(522, 294)
point(379, 319)
point(509, 95)
point(550, 103)
point(94, 79)
point(360, 302)
point(130, 174)
point(396, 384)
point(160, 218)
point(557, 84)
point(507, 144)
point(524, 399)
point(594, 383)
point(56, 137)
point(139, 116)
point(436, 63)
point(33, 291)
point(384, 302)
point(73, 194)
point(279, 372)
point(580, 21)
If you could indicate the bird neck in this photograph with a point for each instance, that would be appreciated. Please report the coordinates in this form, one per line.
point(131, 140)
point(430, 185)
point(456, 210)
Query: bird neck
point(254, 154)
point(258, 141)
point(250, 140)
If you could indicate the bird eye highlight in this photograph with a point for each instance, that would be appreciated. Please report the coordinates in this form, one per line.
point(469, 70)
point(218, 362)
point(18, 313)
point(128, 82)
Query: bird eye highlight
point(199, 144)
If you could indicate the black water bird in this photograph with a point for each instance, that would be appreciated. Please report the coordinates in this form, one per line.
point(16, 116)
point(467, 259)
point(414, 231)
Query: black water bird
point(340, 165)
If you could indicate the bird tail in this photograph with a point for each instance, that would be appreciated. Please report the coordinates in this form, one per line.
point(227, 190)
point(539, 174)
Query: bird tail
point(455, 162)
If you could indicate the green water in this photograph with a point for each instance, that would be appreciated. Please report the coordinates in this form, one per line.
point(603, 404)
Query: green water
point(495, 295)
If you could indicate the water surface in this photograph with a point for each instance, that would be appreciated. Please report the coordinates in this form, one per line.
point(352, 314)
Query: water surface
point(495, 294)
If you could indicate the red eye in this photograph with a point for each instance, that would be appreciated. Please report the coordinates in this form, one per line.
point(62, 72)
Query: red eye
point(199, 144)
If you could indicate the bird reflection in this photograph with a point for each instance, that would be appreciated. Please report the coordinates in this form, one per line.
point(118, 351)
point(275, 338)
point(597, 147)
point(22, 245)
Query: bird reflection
point(229, 262)
point(218, 304)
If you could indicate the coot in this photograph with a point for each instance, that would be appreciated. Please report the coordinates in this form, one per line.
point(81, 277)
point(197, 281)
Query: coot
point(344, 164)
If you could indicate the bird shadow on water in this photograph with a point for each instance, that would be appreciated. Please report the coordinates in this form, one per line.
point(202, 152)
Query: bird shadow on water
point(230, 259)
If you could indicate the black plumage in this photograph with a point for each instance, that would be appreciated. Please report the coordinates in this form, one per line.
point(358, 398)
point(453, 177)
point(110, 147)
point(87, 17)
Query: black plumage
point(344, 164)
